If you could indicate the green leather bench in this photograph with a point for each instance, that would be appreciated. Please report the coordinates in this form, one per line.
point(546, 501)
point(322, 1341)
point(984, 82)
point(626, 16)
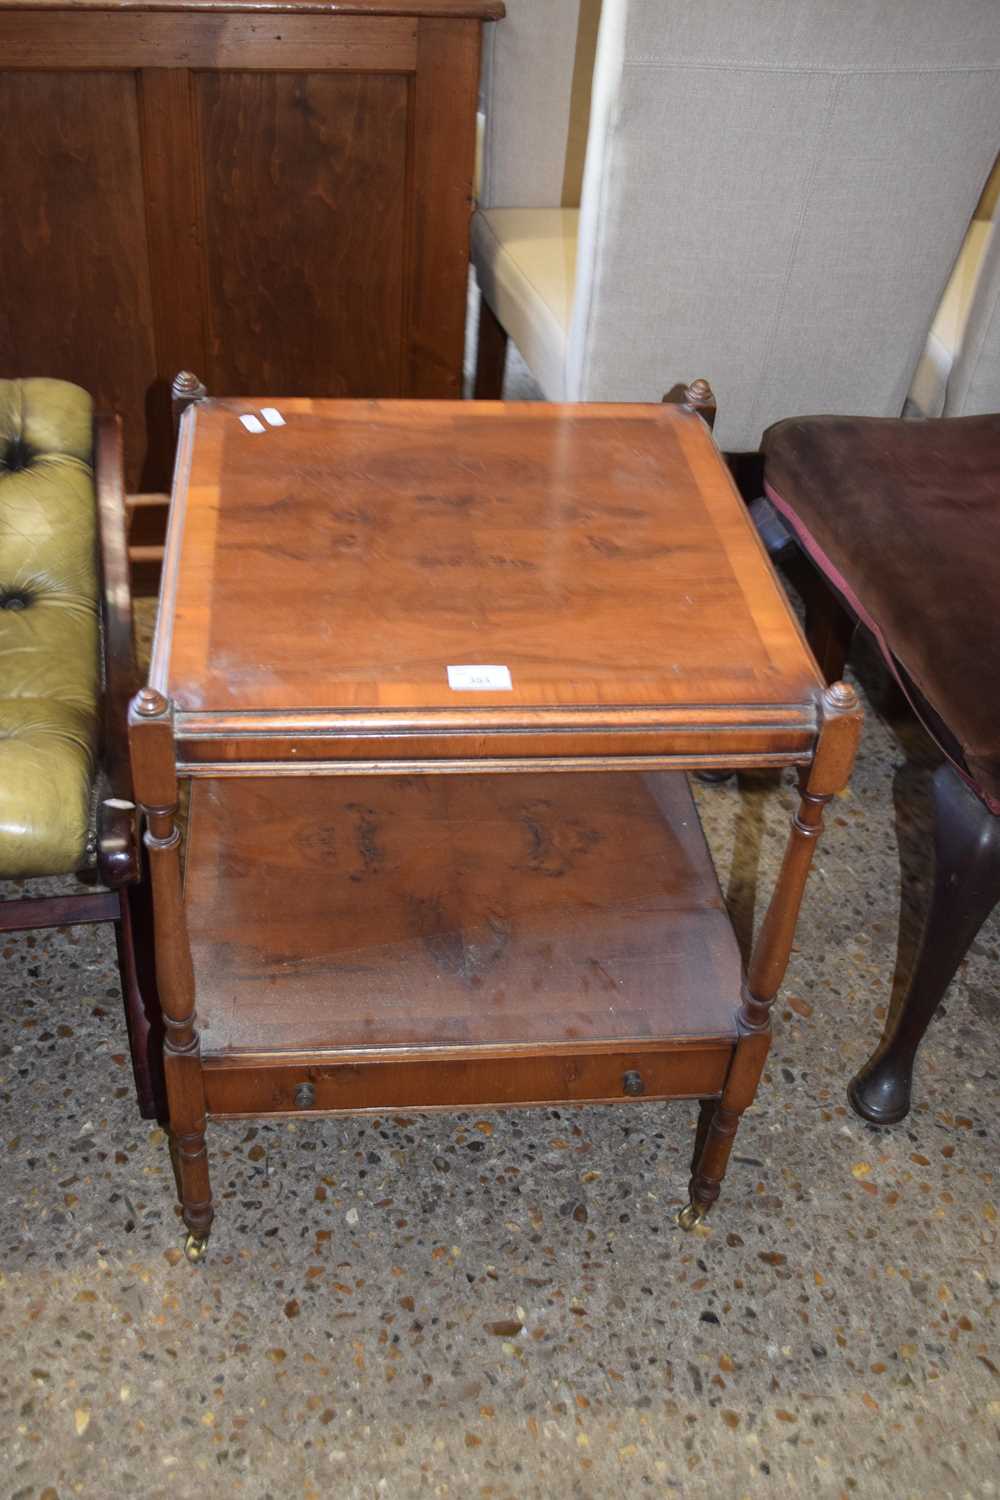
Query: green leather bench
point(67, 671)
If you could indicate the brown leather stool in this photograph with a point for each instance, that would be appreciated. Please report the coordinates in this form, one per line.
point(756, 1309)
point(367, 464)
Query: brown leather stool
point(902, 523)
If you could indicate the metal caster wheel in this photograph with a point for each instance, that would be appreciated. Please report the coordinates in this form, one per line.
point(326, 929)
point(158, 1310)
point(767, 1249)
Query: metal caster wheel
point(196, 1248)
point(690, 1216)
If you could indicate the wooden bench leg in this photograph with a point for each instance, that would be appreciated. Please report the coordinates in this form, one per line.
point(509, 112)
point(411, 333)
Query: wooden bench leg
point(491, 355)
point(830, 627)
point(136, 967)
point(966, 889)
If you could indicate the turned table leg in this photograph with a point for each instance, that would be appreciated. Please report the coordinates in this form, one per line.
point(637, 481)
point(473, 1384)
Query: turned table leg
point(719, 1130)
point(151, 743)
point(830, 770)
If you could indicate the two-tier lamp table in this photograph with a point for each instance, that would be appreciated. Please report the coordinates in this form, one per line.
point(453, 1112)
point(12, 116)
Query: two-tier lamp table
point(435, 671)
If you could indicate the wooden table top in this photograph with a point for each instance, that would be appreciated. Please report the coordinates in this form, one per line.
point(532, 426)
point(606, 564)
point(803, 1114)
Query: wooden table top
point(483, 10)
point(323, 575)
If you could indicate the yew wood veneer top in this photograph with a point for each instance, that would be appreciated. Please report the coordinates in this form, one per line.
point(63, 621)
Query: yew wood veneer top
point(321, 577)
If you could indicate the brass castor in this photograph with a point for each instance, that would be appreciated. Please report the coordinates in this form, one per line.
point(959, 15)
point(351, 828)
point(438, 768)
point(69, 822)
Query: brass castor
point(690, 1215)
point(196, 1248)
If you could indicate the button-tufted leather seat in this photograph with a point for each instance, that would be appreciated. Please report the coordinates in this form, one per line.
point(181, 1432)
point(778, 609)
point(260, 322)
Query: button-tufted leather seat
point(49, 627)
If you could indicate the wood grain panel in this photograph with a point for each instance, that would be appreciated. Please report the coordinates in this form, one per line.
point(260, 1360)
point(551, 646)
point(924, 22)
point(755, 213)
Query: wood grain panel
point(466, 912)
point(310, 299)
point(176, 249)
point(74, 287)
point(443, 150)
point(106, 39)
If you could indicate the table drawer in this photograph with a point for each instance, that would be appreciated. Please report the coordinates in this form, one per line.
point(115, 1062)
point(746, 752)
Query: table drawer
point(440, 1082)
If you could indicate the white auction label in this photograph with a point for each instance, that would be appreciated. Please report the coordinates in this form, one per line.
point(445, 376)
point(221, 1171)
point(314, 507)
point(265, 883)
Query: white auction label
point(480, 679)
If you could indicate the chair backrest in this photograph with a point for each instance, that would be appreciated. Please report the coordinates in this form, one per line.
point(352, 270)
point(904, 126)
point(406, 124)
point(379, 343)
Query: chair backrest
point(774, 194)
point(538, 65)
point(974, 382)
point(944, 341)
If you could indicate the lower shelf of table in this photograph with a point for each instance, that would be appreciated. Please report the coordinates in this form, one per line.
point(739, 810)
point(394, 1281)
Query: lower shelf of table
point(423, 942)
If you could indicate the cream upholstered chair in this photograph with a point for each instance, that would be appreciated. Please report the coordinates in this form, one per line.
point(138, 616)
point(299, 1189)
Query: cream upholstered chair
point(535, 111)
point(974, 378)
point(774, 194)
point(931, 394)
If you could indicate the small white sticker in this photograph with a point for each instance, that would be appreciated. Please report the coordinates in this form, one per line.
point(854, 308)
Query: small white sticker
point(252, 423)
point(479, 679)
point(272, 416)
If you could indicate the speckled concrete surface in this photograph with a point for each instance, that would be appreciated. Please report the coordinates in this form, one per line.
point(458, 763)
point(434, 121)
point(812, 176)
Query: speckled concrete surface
point(500, 1305)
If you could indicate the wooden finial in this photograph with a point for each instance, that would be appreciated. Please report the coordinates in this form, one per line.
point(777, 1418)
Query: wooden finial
point(185, 390)
point(148, 702)
point(187, 387)
point(840, 697)
point(697, 397)
point(841, 720)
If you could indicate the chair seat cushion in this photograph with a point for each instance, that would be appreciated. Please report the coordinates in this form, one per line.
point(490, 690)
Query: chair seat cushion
point(904, 519)
point(46, 777)
point(525, 260)
point(49, 641)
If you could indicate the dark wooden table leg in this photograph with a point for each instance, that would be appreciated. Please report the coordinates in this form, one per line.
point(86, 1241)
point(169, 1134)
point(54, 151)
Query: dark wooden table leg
point(829, 772)
point(491, 355)
point(705, 1112)
point(966, 889)
point(830, 627)
point(136, 967)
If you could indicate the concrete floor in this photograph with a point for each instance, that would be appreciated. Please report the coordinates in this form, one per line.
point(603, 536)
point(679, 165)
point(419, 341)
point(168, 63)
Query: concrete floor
point(500, 1305)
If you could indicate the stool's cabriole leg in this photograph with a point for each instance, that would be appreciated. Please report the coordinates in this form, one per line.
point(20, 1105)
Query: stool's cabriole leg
point(966, 889)
point(830, 771)
point(152, 751)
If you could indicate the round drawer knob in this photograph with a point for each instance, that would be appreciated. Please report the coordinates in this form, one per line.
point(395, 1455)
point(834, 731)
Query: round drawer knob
point(632, 1083)
point(305, 1096)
